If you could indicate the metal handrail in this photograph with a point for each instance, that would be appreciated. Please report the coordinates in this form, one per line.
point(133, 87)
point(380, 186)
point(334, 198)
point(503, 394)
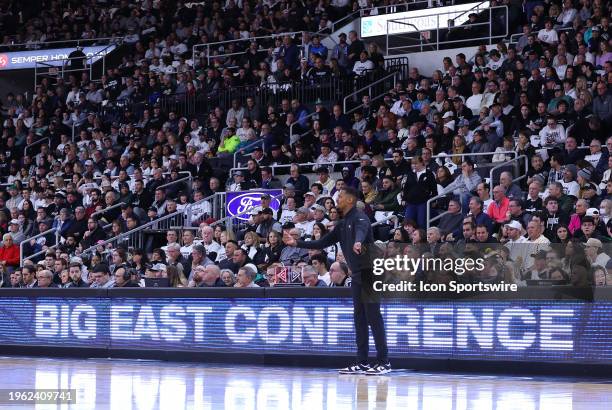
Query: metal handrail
point(439, 156)
point(25, 150)
point(77, 42)
point(428, 206)
point(428, 217)
point(505, 164)
point(361, 13)
point(516, 36)
point(307, 164)
point(21, 258)
point(245, 40)
point(103, 211)
point(369, 86)
point(189, 211)
point(251, 145)
point(438, 42)
point(291, 141)
point(407, 24)
point(476, 7)
point(61, 69)
point(126, 234)
point(37, 254)
point(167, 184)
point(208, 46)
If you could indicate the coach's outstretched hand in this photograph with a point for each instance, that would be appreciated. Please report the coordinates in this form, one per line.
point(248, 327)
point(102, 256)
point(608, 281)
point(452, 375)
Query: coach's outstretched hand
point(288, 239)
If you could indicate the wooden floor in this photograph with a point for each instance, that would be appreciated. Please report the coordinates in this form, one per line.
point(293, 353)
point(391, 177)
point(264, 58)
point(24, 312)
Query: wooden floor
point(147, 385)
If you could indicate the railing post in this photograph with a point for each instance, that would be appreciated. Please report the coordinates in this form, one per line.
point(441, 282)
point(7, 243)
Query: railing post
point(189, 215)
point(490, 26)
point(387, 39)
point(438, 32)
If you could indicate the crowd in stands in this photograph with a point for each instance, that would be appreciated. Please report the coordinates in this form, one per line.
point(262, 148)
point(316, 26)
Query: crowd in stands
point(545, 100)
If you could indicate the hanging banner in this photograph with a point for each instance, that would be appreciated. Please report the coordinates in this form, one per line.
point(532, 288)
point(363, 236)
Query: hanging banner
point(19, 60)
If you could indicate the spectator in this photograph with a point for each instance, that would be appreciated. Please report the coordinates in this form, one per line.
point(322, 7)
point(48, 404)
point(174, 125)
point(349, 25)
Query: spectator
point(45, 279)
point(9, 253)
point(311, 278)
point(339, 273)
point(101, 277)
point(499, 209)
point(246, 278)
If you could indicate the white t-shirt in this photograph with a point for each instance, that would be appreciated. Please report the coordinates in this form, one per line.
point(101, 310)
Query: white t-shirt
point(549, 37)
point(473, 103)
point(305, 227)
point(550, 137)
point(360, 67)
point(593, 159)
point(495, 65)
point(286, 216)
point(570, 188)
point(327, 278)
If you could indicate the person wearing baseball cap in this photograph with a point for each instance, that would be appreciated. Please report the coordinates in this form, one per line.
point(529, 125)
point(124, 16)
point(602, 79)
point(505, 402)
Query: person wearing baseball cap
point(239, 183)
point(14, 227)
point(309, 199)
point(539, 270)
point(515, 240)
point(303, 222)
point(324, 179)
point(593, 248)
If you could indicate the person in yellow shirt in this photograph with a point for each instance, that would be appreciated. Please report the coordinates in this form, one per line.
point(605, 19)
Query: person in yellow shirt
point(228, 145)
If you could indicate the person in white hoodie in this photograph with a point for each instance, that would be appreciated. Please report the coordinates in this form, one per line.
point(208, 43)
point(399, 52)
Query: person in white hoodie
point(552, 134)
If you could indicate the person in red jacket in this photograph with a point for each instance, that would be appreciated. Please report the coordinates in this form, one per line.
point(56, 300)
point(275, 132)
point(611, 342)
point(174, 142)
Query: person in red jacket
point(9, 252)
point(498, 209)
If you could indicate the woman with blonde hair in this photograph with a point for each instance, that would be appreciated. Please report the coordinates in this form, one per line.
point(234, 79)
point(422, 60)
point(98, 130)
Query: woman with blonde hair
point(251, 243)
point(459, 147)
point(252, 248)
point(226, 236)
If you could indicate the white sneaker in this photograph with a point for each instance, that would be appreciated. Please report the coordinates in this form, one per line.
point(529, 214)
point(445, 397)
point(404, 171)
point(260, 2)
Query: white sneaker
point(357, 368)
point(379, 369)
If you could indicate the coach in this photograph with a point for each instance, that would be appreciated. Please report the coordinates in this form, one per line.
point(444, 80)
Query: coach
point(354, 233)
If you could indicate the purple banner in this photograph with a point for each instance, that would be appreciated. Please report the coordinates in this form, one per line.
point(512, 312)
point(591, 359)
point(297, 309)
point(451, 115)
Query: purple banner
point(240, 203)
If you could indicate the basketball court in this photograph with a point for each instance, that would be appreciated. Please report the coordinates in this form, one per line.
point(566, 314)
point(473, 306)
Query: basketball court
point(149, 385)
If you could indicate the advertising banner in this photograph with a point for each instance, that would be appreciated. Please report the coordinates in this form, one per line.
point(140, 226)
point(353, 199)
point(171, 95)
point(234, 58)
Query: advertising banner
point(27, 59)
point(241, 202)
point(518, 330)
point(426, 19)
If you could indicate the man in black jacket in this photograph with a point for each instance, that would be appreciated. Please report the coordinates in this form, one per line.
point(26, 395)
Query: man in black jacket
point(123, 278)
point(419, 187)
point(354, 233)
point(399, 167)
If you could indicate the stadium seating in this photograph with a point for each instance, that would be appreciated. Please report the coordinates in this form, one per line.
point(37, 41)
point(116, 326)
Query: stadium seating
point(506, 150)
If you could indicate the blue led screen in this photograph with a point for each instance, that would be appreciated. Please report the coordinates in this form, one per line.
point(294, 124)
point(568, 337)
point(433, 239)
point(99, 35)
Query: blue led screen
point(485, 330)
